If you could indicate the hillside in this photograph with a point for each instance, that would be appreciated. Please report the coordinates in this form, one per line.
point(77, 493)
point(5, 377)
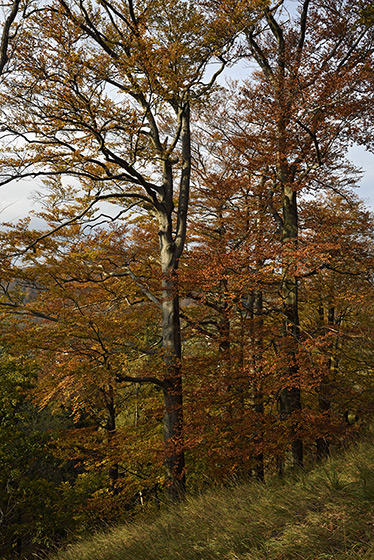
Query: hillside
point(324, 514)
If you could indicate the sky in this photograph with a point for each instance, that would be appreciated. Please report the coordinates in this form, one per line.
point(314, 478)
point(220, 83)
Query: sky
point(364, 159)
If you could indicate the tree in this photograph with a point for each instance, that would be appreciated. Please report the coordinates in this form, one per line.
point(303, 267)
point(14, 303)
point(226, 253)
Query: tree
point(299, 112)
point(233, 239)
point(332, 306)
point(104, 94)
point(75, 307)
point(35, 511)
point(107, 98)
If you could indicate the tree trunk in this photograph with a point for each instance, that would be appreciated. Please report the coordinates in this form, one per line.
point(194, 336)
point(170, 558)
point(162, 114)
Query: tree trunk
point(257, 353)
point(324, 390)
point(111, 428)
point(290, 398)
point(172, 240)
point(173, 395)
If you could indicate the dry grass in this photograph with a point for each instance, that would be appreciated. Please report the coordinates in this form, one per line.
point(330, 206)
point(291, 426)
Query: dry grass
point(327, 513)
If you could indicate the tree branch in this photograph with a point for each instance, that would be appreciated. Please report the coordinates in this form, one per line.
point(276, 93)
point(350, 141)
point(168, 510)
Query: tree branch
point(142, 379)
point(4, 42)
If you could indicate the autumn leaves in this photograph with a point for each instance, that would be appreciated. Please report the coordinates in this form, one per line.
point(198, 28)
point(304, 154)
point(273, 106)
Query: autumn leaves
point(220, 297)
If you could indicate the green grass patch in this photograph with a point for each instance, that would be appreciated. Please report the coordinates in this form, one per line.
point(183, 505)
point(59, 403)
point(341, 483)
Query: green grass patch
point(327, 513)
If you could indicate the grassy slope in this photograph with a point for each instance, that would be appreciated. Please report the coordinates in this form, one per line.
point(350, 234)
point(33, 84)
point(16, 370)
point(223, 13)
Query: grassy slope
point(327, 513)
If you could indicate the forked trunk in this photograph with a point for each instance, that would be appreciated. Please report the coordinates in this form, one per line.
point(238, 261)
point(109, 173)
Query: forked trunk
point(172, 239)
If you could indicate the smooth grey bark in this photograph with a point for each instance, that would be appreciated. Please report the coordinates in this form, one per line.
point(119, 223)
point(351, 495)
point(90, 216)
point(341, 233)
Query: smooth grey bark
point(171, 248)
point(172, 384)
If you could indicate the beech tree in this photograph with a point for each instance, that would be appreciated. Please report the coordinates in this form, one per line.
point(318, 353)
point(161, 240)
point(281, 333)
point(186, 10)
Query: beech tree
point(102, 106)
point(74, 305)
point(332, 305)
point(294, 119)
point(103, 94)
point(233, 239)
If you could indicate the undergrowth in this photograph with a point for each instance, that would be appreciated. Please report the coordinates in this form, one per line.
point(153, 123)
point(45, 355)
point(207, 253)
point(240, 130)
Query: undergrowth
point(327, 513)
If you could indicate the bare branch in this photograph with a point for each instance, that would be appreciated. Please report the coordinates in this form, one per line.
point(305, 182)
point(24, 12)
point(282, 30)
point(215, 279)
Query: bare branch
point(314, 138)
point(56, 229)
point(15, 309)
point(260, 57)
point(4, 41)
point(143, 288)
point(303, 20)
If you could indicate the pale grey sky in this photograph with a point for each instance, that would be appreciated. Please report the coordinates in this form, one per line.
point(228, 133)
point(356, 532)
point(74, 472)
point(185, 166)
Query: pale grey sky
point(364, 159)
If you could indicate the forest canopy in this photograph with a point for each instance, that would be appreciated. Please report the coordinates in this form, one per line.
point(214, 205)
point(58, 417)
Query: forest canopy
point(198, 305)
